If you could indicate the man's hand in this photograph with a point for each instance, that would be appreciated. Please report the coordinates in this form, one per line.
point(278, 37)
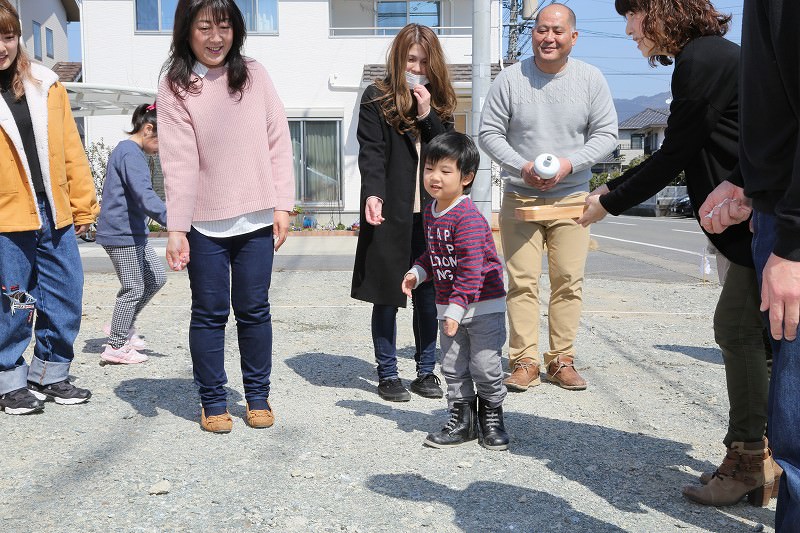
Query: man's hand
point(780, 295)
point(373, 210)
point(530, 177)
point(450, 327)
point(408, 283)
point(280, 227)
point(594, 211)
point(177, 250)
point(725, 206)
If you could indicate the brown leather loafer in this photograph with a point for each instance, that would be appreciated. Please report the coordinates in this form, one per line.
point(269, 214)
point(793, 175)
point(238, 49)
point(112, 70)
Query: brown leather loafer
point(216, 424)
point(561, 372)
point(260, 418)
point(524, 376)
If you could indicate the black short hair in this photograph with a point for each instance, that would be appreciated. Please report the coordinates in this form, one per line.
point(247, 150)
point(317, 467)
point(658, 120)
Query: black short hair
point(458, 147)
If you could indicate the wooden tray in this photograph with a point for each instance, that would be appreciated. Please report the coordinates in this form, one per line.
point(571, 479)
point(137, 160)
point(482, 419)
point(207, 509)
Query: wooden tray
point(550, 212)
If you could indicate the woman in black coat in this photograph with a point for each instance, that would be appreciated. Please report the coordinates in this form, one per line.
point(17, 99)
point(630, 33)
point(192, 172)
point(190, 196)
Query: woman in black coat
point(702, 140)
point(399, 115)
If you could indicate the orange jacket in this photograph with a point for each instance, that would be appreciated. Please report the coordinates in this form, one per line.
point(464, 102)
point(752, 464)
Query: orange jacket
point(67, 179)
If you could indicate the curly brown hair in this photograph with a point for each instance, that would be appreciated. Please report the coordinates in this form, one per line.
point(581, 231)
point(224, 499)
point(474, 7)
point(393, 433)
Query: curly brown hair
point(397, 102)
point(671, 24)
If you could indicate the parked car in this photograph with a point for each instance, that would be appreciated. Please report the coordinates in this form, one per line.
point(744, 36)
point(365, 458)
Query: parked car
point(681, 207)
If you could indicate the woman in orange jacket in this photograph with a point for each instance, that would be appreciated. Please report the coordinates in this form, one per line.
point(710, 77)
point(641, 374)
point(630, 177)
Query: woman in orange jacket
point(46, 197)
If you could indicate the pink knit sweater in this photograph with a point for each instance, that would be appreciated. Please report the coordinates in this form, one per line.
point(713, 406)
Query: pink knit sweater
point(221, 157)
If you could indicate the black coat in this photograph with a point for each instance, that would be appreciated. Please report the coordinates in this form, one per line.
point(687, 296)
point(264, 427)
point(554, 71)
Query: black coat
point(388, 163)
point(702, 139)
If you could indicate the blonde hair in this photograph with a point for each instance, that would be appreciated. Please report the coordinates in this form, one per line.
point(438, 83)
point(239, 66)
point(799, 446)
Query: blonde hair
point(9, 23)
point(397, 103)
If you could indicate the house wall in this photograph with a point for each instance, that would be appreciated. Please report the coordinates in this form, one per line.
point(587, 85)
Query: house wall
point(315, 75)
point(50, 14)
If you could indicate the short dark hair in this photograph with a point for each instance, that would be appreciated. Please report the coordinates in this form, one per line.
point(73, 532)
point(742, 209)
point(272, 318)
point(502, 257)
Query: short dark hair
point(458, 147)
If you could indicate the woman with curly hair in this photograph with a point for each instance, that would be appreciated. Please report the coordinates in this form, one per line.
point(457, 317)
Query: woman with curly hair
point(399, 115)
point(701, 140)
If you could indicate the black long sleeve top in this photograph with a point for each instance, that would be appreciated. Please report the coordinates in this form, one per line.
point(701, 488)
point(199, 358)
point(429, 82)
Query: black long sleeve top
point(701, 139)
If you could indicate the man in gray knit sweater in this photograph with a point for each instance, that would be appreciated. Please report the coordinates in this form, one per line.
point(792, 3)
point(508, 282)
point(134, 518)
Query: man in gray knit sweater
point(547, 104)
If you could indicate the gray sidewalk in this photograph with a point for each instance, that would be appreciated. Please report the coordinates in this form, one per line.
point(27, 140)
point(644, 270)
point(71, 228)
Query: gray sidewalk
point(611, 458)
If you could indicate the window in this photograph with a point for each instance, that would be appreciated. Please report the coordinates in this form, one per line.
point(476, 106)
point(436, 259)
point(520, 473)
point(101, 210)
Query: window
point(316, 146)
point(260, 16)
point(637, 142)
point(37, 40)
point(48, 39)
point(393, 14)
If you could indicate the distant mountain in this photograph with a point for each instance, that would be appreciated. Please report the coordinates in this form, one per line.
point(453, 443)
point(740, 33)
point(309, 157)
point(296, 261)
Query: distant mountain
point(627, 107)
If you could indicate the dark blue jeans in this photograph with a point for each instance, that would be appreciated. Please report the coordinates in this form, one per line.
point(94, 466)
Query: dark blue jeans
point(225, 272)
point(39, 269)
point(783, 417)
point(425, 325)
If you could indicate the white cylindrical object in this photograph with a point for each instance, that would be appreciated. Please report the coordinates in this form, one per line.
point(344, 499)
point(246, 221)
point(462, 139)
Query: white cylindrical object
point(546, 166)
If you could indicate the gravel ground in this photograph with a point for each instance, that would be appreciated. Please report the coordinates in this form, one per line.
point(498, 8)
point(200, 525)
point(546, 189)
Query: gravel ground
point(611, 458)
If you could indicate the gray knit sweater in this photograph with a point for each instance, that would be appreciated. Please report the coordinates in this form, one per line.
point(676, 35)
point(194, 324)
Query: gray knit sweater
point(569, 114)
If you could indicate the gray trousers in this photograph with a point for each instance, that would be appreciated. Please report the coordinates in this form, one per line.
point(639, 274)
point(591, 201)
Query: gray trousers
point(472, 355)
point(739, 331)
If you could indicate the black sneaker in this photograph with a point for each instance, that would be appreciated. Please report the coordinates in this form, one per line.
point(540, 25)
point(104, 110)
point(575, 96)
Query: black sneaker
point(427, 385)
point(20, 402)
point(63, 392)
point(392, 390)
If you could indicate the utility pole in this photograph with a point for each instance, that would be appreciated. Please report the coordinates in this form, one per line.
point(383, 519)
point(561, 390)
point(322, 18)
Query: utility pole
point(514, 29)
point(481, 80)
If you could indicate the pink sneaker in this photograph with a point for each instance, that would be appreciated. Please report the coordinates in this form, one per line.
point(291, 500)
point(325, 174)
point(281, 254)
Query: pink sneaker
point(133, 339)
point(125, 355)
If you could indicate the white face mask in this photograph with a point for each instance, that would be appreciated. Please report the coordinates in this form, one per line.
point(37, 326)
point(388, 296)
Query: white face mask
point(415, 79)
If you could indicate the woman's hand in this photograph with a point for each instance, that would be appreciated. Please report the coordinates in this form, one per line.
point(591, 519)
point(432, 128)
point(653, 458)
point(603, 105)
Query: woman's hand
point(373, 210)
point(177, 250)
point(450, 327)
point(280, 227)
point(408, 284)
point(725, 206)
point(594, 211)
point(83, 228)
point(423, 100)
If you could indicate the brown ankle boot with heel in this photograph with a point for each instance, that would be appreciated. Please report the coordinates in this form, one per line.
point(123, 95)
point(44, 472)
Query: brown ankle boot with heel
point(745, 471)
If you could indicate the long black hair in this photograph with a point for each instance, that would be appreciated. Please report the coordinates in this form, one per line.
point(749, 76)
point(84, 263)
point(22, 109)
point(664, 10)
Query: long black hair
point(143, 114)
point(181, 59)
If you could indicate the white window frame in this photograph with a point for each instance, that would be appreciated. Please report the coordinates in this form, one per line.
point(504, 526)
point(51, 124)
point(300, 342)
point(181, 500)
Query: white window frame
point(49, 43)
point(408, 15)
point(37, 40)
point(338, 202)
point(161, 29)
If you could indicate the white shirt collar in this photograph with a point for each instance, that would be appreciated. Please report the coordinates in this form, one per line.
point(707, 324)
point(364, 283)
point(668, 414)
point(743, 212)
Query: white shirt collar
point(200, 69)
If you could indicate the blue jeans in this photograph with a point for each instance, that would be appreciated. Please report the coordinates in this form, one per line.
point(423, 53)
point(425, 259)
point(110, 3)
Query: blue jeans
point(783, 420)
point(39, 270)
point(225, 272)
point(425, 325)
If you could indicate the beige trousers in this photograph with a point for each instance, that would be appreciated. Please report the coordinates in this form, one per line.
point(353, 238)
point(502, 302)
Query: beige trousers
point(523, 245)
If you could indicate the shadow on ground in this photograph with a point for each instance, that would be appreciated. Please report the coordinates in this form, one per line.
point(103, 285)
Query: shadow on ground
point(178, 396)
point(491, 506)
point(631, 471)
point(708, 355)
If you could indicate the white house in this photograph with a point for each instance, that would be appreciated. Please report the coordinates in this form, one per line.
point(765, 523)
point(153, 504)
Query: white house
point(642, 134)
point(321, 54)
point(44, 28)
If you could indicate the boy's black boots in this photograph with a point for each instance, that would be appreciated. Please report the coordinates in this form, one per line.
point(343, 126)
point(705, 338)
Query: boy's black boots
point(462, 426)
point(493, 431)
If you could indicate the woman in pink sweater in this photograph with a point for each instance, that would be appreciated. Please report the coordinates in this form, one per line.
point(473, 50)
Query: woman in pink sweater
point(227, 160)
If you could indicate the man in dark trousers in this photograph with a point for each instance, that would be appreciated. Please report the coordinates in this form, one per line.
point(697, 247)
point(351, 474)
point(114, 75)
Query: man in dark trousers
point(769, 155)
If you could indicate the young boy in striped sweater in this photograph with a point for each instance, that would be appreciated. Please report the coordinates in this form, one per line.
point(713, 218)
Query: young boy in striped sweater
point(468, 278)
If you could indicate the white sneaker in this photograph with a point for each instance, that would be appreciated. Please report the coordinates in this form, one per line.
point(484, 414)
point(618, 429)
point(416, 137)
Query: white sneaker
point(125, 355)
point(133, 339)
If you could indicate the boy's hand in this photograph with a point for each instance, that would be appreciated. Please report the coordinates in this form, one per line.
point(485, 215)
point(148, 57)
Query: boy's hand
point(450, 327)
point(409, 282)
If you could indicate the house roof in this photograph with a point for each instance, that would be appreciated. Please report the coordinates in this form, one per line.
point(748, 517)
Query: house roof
point(72, 9)
point(459, 72)
point(646, 119)
point(68, 70)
